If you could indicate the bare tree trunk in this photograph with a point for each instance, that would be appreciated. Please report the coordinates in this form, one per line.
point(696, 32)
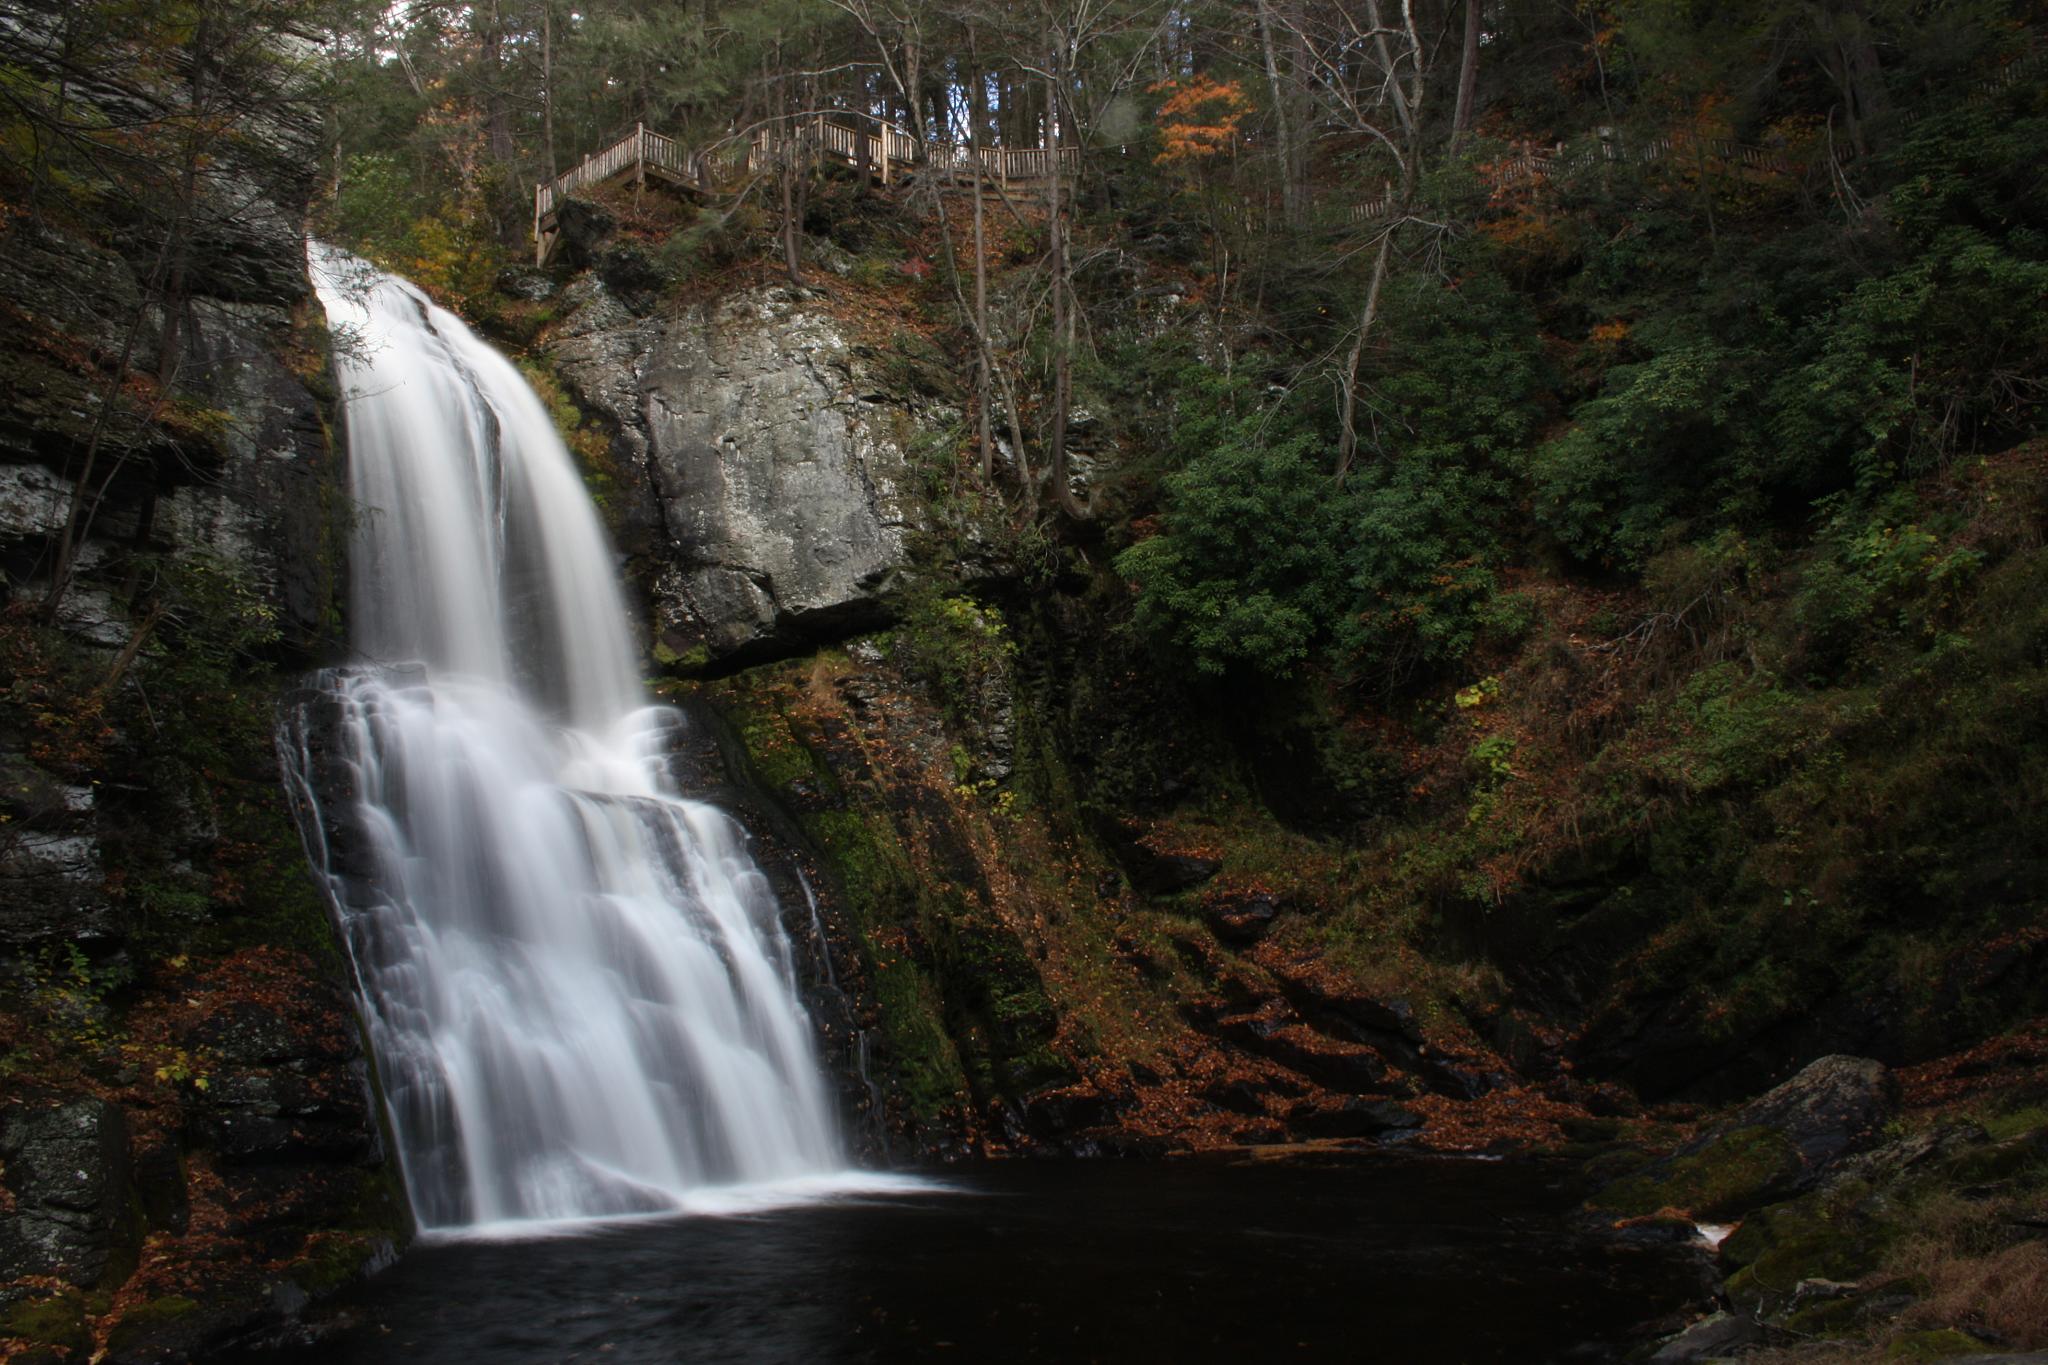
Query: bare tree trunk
point(1290, 187)
point(1850, 58)
point(1468, 73)
point(497, 111)
point(977, 112)
point(1062, 304)
point(547, 85)
point(1402, 113)
point(863, 163)
point(1702, 171)
point(786, 171)
point(1347, 445)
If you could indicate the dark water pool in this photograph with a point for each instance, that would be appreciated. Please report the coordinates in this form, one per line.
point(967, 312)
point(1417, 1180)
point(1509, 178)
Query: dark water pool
point(1384, 1259)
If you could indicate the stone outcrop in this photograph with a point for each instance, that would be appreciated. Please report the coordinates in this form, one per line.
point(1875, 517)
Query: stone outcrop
point(771, 465)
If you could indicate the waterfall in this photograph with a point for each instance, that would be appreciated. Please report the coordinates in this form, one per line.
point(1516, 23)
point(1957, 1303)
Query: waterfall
point(577, 987)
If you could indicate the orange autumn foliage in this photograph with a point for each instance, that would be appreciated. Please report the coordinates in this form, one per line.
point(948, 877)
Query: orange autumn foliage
point(1199, 117)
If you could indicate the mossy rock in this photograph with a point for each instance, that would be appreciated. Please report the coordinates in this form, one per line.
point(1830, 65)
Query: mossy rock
point(1998, 1161)
point(1736, 1172)
point(335, 1261)
point(172, 1319)
point(1836, 1318)
point(684, 662)
point(1818, 1237)
point(57, 1321)
point(1937, 1345)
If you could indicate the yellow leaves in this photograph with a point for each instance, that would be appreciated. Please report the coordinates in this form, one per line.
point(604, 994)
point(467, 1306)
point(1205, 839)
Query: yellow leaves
point(1199, 117)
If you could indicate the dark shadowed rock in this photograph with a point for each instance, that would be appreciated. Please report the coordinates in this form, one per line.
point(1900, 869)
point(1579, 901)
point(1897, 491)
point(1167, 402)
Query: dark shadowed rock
point(629, 272)
point(1355, 1118)
point(1242, 919)
point(585, 227)
point(1167, 874)
point(1720, 1335)
point(51, 892)
point(282, 1089)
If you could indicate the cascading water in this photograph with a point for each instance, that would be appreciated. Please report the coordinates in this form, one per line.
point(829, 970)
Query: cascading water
point(578, 989)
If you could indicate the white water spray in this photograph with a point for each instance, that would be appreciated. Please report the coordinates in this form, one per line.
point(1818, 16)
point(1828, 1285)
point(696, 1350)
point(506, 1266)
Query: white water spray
point(580, 995)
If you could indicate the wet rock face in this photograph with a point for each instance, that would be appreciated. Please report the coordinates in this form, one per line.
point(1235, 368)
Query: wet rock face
point(243, 1140)
point(50, 864)
point(67, 1173)
point(287, 1091)
point(777, 469)
point(228, 481)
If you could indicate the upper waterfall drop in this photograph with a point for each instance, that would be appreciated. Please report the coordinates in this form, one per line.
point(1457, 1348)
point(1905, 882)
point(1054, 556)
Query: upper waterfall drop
point(498, 510)
point(578, 988)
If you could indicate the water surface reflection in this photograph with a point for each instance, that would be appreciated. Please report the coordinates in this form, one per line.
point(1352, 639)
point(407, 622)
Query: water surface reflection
point(1390, 1258)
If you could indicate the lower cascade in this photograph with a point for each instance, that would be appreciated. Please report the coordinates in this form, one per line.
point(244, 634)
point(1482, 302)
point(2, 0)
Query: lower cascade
point(578, 990)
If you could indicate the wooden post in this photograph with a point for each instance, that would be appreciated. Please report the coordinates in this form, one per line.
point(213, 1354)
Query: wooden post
point(539, 247)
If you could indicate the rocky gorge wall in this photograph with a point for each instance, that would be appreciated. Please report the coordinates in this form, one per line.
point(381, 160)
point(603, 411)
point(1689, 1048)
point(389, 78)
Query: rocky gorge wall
point(187, 1145)
point(1049, 892)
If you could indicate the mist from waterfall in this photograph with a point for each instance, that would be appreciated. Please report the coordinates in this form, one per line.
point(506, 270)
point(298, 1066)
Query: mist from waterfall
point(579, 994)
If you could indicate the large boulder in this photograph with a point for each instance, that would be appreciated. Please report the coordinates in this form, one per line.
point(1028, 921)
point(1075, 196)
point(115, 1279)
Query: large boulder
point(1833, 1107)
point(1775, 1146)
point(778, 465)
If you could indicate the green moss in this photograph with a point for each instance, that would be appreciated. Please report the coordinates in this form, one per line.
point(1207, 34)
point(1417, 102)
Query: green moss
point(1818, 1237)
point(332, 1261)
point(584, 439)
point(1998, 1161)
point(691, 660)
point(55, 1321)
point(1736, 1172)
point(1936, 1345)
point(880, 890)
point(872, 873)
point(1841, 1317)
point(963, 1013)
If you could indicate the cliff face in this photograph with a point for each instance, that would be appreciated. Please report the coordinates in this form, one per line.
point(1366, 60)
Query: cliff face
point(771, 466)
point(187, 1148)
